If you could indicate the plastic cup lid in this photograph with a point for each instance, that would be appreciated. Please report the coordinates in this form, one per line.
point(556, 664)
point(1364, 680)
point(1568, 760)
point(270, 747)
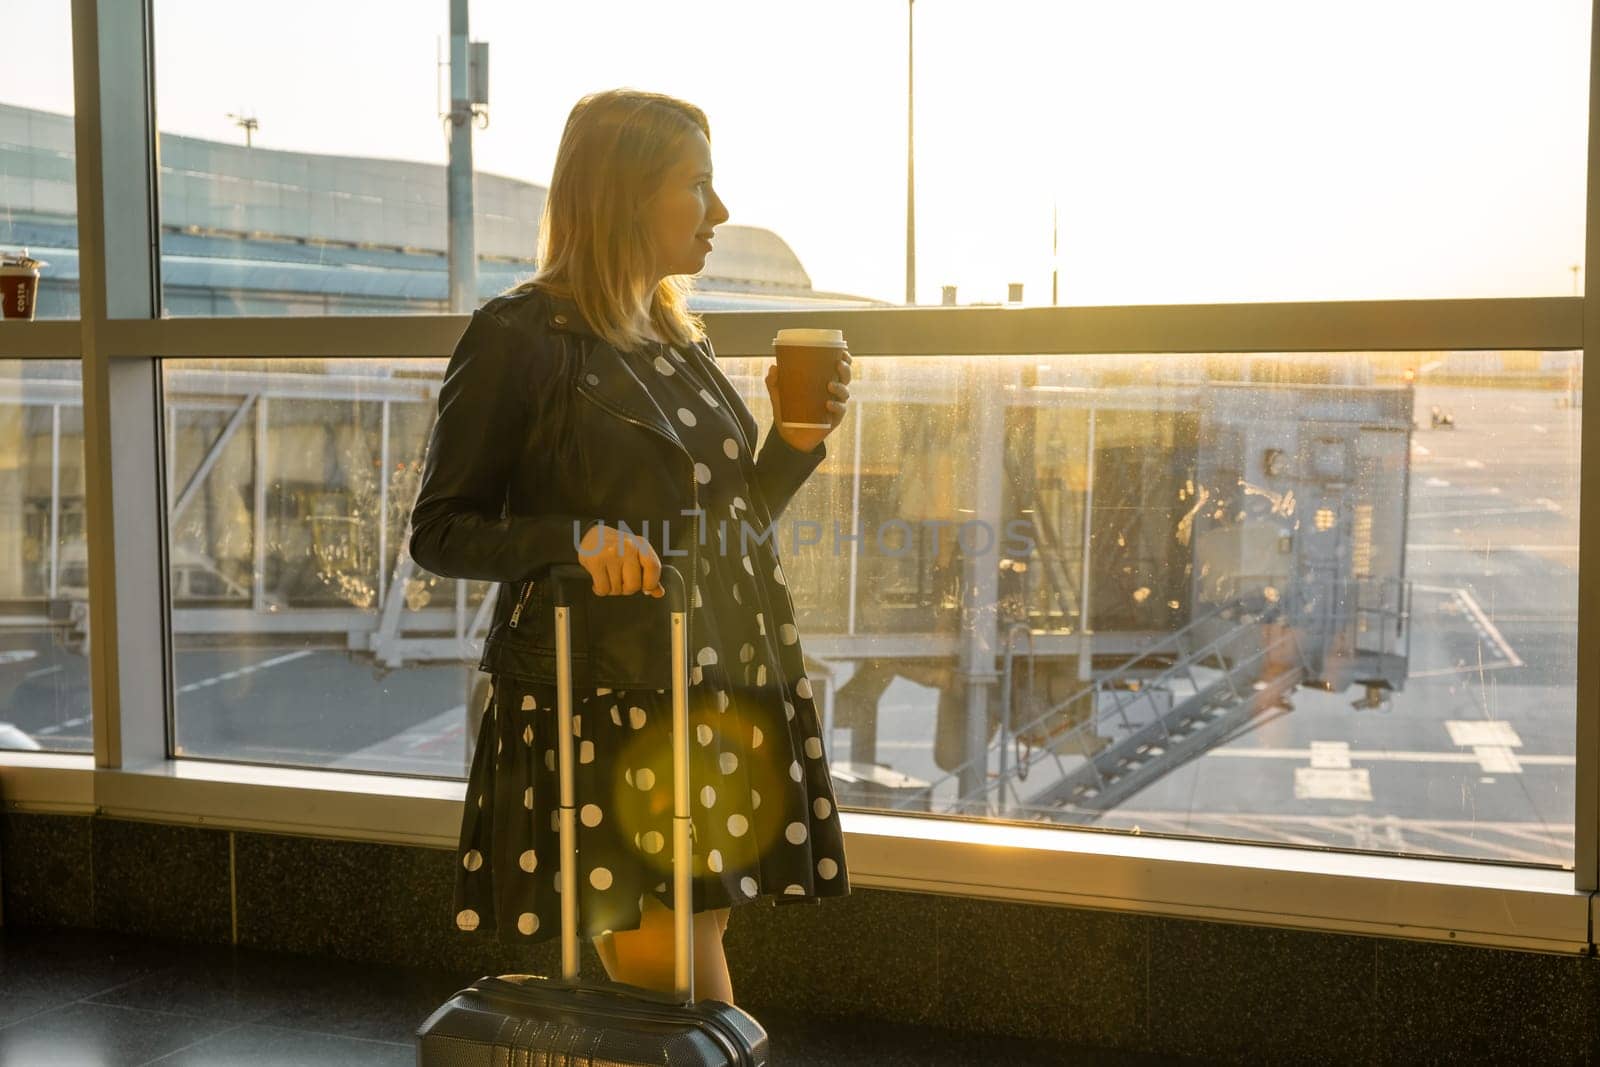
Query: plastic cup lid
point(809, 337)
point(21, 260)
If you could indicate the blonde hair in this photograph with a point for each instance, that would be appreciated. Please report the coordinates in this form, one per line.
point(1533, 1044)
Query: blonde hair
point(595, 246)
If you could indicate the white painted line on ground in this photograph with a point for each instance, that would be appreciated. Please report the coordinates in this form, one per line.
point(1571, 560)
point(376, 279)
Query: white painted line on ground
point(1467, 732)
point(1506, 651)
point(1497, 759)
point(275, 661)
point(1330, 755)
point(1317, 783)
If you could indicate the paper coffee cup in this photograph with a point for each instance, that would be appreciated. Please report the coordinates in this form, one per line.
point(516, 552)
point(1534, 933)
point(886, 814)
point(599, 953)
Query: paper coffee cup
point(19, 285)
point(808, 360)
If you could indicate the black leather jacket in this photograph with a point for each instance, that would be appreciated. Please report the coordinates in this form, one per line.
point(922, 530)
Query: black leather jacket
point(495, 504)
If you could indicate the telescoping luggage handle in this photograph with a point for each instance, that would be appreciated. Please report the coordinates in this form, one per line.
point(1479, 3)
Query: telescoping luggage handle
point(682, 902)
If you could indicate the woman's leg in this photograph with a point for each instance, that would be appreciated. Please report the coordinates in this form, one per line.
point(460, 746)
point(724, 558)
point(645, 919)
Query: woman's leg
point(643, 957)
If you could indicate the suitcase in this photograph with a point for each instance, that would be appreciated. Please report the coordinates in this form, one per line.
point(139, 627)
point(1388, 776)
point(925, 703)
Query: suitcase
point(519, 1019)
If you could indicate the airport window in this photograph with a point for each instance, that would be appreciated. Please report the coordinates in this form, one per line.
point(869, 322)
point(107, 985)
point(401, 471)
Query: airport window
point(38, 186)
point(1295, 599)
point(1075, 156)
point(44, 571)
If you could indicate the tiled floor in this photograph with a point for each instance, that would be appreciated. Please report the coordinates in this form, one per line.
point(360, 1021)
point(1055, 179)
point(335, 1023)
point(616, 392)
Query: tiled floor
point(84, 997)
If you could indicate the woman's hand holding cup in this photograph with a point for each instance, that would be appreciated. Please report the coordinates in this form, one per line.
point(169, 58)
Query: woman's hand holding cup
point(620, 564)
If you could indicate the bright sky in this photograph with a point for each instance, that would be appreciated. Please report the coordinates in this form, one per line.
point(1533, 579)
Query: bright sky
point(1199, 152)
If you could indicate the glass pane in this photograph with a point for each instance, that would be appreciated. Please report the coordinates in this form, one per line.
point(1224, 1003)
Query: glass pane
point(1306, 599)
point(1087, 154)
point(44, 570)
point(38, 183)
point(1323, 600)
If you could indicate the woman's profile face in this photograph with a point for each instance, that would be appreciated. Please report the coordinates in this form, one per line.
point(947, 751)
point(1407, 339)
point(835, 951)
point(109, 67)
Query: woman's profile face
point(685, 210)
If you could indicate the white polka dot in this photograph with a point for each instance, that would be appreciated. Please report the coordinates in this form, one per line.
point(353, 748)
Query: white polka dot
point(555, 820)
point(708, 398)
point(663, 366)
point(788, 634)
point(697, 601)
point(696, 675)
point(616, 714)
point(480, 801)
point(467, 919)
point(795, 832)
point(788, 711)
point(827, 868)
point(761, 674)
point(702, 474)
point(527, 922)
point(601, 691)
point(528, 861)
point(645, 778)
point(527, 798)
point(747, 652)
point(627, 775)
point(708, 796)
point(739, 503)
point(528, 703)
point(794, 770)
point(550, 759)
point(686, 416)
point(728, 762)
point(586, 752)
point(736, 595)
point(590, 815)
point(821, 807)
point(527, 735)
point(730, 448)
point(703, 734)
point(813, 748)
point(707, 656)
point(803, 687)
point(722, 700)
point(755, 800)
point(472, 860)
point(498, 747)
point(777, 575)
point(653, 842)
point(591, 379)
point(705, 565)
point(761, 624)
point(600, 878)
point(749, 568)
point(577, 726)
point(714, 860)
point(737, 824)
point(636, 716)
point(748, 884)
point(794, 890)
point(755, 737)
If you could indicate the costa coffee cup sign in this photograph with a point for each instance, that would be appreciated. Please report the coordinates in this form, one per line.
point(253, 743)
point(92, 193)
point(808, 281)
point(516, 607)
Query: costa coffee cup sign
point(19, 284)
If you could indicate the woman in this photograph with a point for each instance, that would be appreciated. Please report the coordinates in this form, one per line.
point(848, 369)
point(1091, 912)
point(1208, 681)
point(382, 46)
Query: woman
point(573, 399)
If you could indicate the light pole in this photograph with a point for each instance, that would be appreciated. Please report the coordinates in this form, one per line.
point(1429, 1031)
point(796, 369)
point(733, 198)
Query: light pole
point(250, 126)
point(911, 173)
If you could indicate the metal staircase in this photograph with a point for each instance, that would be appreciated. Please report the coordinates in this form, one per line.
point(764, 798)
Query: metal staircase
point(1184, 694)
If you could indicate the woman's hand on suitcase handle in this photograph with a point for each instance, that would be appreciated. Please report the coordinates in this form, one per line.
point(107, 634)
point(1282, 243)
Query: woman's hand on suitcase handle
point(620, 564)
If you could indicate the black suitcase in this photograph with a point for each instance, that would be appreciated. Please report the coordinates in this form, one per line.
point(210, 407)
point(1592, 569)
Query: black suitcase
point(521, 1020)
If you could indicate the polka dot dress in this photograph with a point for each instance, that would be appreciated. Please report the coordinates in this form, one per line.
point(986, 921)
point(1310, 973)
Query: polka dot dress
point(764, 821)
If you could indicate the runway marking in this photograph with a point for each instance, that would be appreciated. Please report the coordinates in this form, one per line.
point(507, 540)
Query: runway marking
point(1321, 783)
point(1485, 628)
point(1397, 756)
point(1330, 755)
point(1476, 513)
point(62, 726)
point(1490, 548)
point(250, 669)
point(1497, 759)
point(1497, 732)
